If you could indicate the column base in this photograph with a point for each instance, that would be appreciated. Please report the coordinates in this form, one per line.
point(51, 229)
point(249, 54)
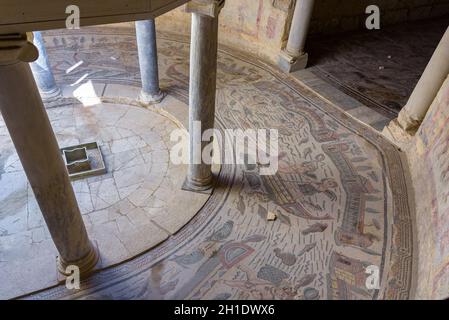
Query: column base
point(146, 98)
point(396, 134)
point(86, 265)
point(51, 95)
point(407, 122)
point(205, 186)
point(289, 63)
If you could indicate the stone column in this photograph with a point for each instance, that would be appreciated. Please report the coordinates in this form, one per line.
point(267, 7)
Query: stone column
point(411, 116)
point(203, 76)
point(42, 71)
point(147, 49)
point(28, 124)
point(293, 57)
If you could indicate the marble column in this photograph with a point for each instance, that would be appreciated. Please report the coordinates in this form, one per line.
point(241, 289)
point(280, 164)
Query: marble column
point(147, 49)
point(413, 113)
point(203, 77)
point(293, 57)
point(30, 130)
point(42, 71)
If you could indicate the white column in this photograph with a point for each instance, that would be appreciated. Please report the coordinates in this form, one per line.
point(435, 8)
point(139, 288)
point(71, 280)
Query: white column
point(28, 124)
point(411, 116)
point(293, 57)
point(203, 77)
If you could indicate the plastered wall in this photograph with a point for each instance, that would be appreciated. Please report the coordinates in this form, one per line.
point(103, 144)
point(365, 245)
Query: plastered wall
point(429, 160)
point(262, 26)
point(256, 26)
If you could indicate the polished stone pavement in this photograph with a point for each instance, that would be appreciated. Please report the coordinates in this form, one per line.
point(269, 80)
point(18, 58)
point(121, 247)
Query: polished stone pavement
point(136, 205)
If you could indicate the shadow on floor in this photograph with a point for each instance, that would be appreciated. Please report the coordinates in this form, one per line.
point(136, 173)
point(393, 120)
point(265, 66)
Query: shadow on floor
point(378, 68)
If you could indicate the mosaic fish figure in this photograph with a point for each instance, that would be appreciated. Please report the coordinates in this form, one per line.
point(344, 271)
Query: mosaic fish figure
point(311, 294)
point(189, 259)
point(241, 205)
point(168, 287)
point(272, 274)
point(305, 281)
point(254, 238)
point(288, 259)
point(307, 248)
point(317, 227)
point(222, 233)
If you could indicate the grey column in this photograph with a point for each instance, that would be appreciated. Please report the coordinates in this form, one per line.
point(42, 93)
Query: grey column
point(293, 57)
point(203, 77)
point(42, 71)
point(147, 49)
point(28, 124)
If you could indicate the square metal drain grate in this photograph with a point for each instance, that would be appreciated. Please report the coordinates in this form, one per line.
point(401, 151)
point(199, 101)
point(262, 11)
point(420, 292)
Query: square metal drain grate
point(83, 160)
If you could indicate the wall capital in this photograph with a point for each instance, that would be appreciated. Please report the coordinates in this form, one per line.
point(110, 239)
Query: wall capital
point(17, 47)
point(209, 8)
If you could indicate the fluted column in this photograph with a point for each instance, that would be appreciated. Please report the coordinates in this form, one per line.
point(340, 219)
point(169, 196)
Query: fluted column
point(42, 71)
point(203, 76)
point(147, 49)
point(413, 113)
point(28, 124)
point(293, 57)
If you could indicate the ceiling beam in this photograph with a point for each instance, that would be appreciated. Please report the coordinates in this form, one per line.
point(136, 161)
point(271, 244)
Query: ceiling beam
point(18, 16)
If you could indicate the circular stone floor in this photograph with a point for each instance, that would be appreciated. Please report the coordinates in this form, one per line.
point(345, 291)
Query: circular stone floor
point(128, 210)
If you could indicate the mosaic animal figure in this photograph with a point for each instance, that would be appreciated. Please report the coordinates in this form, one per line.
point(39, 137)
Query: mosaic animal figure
point(317, 227)
point(306, 168)
point(306, 280)
point(325, 186)
point(307, 248)
point(269, 283)
point(289, 194)
point(189, 259)
point(288, 259)
point(222, 233)
point(285, 194)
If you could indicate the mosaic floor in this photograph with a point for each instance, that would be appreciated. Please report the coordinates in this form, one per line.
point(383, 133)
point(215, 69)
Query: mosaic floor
point(341, 193)
point(378, 68)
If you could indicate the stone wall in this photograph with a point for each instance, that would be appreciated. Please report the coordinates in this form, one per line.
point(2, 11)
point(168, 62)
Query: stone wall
point(261, 26)
point(429, 160)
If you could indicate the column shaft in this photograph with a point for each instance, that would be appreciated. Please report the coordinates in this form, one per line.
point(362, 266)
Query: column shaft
point(42, 71)
point(203, 76)
point(28, 124)
point(293, 57)
point(147, 50)
point(427, 88)
point(300, 26)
